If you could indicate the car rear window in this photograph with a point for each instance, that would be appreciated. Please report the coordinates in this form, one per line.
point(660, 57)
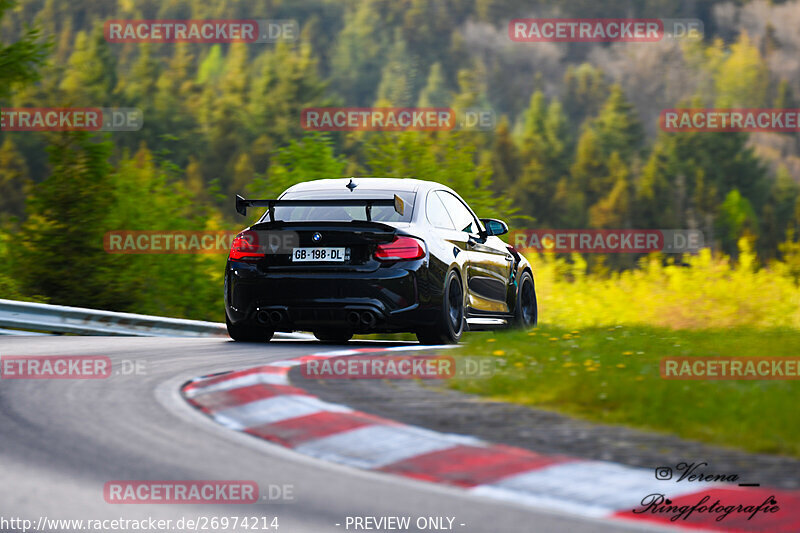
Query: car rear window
point(344, 213)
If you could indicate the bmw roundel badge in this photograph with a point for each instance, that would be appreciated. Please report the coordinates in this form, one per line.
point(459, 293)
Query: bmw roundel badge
point(316, 237)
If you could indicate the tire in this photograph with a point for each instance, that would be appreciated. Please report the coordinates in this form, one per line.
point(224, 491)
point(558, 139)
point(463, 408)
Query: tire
point(244, 333)
point(526, 312)
point(330, 335)
point(450, 326)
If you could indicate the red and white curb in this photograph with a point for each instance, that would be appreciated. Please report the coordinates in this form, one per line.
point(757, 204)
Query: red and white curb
point(261, 401)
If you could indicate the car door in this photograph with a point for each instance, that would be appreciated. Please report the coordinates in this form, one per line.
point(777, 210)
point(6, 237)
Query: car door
point(488, 264)
point(449, 241)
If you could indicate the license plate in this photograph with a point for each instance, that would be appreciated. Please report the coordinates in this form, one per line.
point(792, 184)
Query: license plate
point(320, 255)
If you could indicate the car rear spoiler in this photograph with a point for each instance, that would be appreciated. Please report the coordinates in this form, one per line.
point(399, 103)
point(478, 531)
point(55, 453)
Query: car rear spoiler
point(242, 204)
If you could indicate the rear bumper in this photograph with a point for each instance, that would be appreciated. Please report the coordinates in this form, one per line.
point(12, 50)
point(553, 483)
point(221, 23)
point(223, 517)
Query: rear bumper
point(387, 299)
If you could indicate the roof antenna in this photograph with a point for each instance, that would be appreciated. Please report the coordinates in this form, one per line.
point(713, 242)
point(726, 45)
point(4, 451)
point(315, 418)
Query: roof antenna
point(351, 185)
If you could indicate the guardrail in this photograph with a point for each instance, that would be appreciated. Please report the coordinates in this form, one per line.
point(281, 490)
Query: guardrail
point(81, 321)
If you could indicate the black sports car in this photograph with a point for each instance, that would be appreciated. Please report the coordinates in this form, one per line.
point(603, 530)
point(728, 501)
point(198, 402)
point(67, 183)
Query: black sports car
point(369, 255)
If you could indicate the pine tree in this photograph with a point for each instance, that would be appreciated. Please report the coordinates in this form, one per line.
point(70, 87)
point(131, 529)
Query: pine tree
point(557, 137)
point(90, 78)
point(742, 78)
point(472, 91)
point(784, 99)
point(533, 131)
point(59, 252)
point(448, 158)
point(590, 172)
point(212, 66)
point(173, 115)
point(243, 173)
point(14, 181)
point(148, 194)
point(398, 83)
point(435, 93)
point(505, 159)
point(617, 127)
point(585, 90)
point(544, 160)
point(360, 51)
point(20, 61)
point(653, 210)
point(311, 158)
point(288, 82)
point(778, 212)
point(770, 43)
point(141, 85)
point(613, 210)
point(737, 219)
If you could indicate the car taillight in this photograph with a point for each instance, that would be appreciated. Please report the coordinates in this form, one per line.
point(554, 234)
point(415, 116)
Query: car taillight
point(245, 247)
point(400, 249)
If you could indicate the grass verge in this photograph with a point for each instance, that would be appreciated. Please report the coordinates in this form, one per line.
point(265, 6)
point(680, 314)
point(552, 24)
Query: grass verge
point(611, 375)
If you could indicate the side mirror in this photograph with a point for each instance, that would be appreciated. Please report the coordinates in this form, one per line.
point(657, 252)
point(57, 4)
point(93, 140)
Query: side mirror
point(494, 227)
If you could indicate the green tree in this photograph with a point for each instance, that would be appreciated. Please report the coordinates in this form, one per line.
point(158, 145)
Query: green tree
point(212, 66)
point(692, 172)
point(533, 136)
point(472, 91)
point(226, 103)
point(613, 210)
point(398, 83)
point(148, 195)
point(544, 160)
point(20, 61)
point(14, 181)
point(742, 78)
point(90, 77)
point(173, 115)
point(444, 157)
point(590, 173)
point(617, 126)
point(311, 158)
point(736, 219)
point(585, 90)
point(505, 158)
point(20, 64)
point(777, 217)
point(59, 252)
point(141, 86)
point(288, 82)
point(654, 208)
point(784, 97)
point(435, 93)
point(361, 47)
point(243, 173)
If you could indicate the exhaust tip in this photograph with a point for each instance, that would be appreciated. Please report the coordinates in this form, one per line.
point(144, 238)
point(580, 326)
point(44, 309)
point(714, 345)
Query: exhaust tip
point(368, 319)
point(353, 319)
point(276, 317)
point(262, 317)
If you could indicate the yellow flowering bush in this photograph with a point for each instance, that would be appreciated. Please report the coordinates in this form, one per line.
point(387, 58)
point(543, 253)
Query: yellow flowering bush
point(711, 292)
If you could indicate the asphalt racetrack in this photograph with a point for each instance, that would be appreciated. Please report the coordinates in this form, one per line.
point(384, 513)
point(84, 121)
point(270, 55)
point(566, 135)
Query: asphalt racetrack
point(62, 440)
